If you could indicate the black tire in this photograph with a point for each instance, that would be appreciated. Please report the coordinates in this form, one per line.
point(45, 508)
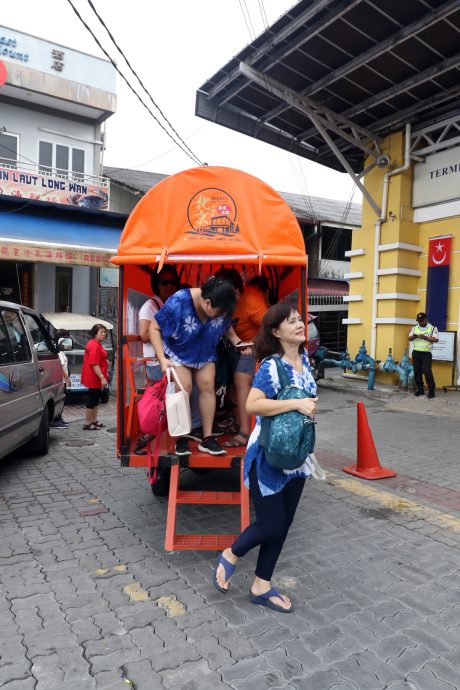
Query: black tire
point(161, 486)
point(201, 471)
point(40, 443)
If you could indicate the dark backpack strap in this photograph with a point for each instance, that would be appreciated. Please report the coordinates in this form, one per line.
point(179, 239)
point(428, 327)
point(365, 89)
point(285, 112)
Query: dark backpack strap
point(158, 306)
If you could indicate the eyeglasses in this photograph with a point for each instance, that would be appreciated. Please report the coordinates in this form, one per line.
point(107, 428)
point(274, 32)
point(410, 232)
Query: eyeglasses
point(164, 283)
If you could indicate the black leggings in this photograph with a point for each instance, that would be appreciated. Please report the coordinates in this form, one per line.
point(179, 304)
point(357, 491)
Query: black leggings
point(274, 516)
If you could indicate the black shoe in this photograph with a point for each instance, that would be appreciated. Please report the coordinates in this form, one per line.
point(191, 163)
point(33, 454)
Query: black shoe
point(419, 391)
point(59, 424)
point(211, 446)
point(431, 394)
point(141, 446)
point(196, 434)
point(182, 447)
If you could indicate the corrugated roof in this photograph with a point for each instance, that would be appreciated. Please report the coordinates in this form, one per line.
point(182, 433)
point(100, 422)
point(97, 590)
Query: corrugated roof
point(379, 65)
point(315, 208)
point(305, 208)
point(137, 180)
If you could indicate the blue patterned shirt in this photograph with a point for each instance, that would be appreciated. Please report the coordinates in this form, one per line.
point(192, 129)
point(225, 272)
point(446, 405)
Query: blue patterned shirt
point(186, 339)
point(272, 480)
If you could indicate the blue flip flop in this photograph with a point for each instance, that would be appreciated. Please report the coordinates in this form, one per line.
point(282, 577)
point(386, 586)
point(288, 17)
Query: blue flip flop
point(229, 570)
point(264, 600)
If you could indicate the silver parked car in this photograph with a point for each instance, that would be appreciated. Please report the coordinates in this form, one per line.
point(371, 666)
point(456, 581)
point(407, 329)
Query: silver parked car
point(79, 328)
point(31, 379)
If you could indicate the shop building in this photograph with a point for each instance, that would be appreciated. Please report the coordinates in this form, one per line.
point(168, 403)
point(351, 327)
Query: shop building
point(372, 91)
point(57, 232)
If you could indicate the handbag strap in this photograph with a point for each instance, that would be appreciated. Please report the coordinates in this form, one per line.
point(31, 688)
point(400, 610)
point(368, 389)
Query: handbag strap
point(282, 373)
point(169, 371)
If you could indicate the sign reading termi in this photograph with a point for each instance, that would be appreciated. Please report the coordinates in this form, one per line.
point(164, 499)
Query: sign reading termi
point(437, 179)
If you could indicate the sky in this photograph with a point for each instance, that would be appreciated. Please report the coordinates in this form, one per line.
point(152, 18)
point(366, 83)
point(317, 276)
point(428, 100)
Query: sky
point(175, 46)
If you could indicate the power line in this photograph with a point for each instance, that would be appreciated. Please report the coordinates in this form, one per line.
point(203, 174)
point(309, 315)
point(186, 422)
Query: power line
point(88, 28)
point(90, 3)
point(247, 20)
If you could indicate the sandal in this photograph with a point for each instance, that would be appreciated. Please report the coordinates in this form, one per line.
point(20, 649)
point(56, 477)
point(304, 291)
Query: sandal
point(90, 427)
point(233, 443)
point(264, 600)
point(99, 425)
point(229, 570)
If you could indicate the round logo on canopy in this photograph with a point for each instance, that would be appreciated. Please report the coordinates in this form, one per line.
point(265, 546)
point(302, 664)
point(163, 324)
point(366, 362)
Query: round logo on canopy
point(212, 211)
point(3, 73)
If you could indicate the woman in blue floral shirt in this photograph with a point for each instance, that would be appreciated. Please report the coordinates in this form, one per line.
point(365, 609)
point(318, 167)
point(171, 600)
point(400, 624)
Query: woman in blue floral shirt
point(275, 492)
point(185, 333)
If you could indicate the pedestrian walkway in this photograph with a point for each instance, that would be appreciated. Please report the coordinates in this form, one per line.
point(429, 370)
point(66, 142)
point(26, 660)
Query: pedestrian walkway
point(89, 599)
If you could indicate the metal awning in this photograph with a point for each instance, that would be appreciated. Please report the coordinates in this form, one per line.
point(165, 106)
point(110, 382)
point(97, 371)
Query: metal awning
point(348, 70)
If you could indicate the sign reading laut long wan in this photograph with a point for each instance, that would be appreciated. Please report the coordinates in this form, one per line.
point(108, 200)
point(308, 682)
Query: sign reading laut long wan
point(31, 185)
point(438, 280)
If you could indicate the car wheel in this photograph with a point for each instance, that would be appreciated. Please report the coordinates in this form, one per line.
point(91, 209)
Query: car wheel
point(161, 486)
point(40, 443)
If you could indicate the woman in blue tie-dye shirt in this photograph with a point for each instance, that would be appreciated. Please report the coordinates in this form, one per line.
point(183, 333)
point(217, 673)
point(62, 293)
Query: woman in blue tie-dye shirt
point(184, 334)
point(275, 492)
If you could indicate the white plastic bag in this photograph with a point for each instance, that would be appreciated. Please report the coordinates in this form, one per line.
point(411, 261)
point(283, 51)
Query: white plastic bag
point(177, 406)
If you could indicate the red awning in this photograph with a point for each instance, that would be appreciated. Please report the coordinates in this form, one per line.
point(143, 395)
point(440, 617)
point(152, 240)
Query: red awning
point(322, 286)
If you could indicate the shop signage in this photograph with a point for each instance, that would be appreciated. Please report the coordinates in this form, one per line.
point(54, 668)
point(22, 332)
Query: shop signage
point(31, 185)
point(11, 251)
point(9, 49)
point(437, 179)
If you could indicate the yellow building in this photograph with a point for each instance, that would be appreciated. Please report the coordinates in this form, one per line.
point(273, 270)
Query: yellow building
point(374, 92)
point(389, 256)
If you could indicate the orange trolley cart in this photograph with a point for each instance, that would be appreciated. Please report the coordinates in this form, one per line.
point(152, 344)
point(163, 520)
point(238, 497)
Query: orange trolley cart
point(200, 220)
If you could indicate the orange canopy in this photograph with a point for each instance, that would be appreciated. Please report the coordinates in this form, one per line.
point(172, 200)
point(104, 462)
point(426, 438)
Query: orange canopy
point(212, 214)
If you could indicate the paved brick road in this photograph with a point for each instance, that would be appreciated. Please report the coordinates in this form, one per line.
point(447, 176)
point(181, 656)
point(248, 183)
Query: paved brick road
point(89, 598)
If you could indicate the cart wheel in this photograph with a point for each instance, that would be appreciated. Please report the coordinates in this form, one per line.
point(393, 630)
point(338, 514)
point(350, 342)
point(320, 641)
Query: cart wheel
point(161, 486)
point(201, 471)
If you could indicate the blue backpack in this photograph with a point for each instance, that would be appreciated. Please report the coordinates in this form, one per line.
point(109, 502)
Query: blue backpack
point(287, 438)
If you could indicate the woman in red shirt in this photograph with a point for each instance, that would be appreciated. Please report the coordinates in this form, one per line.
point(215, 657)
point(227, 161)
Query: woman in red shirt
point(94, 375)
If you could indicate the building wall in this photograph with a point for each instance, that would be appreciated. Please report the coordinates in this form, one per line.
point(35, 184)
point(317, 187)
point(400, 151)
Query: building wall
point(122, 200)
point(81, 290)
point(44, 287)
point(29, 123)
point(401, 296)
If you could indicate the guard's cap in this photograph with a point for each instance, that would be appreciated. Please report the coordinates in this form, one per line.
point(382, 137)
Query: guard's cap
point(421, 316)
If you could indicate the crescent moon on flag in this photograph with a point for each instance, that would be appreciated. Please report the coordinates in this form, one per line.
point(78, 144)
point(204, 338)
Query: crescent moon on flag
point(439, 261)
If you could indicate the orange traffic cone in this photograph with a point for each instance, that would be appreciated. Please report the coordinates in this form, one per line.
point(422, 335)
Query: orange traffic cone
point(368, 465)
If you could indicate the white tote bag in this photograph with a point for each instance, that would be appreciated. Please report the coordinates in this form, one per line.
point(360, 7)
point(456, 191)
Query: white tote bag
point(177, 406)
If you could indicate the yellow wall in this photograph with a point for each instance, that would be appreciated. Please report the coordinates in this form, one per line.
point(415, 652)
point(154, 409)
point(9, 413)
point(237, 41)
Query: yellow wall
point(397, 226)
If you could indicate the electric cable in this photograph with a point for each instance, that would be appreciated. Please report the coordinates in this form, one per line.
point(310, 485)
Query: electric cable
point(90, 3)
point(88, 28)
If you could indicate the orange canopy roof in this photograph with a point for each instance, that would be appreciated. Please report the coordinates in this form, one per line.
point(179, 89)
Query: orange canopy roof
point(212, 214)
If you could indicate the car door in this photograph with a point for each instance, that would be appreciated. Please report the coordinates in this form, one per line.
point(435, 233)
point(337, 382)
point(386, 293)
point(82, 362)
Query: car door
point(21, 405)
point(51, 378)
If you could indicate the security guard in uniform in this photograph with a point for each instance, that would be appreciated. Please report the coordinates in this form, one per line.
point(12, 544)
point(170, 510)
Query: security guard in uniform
point(423, 336)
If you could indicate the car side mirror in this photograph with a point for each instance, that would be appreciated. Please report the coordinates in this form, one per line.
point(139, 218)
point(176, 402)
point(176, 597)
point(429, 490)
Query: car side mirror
point(65, 344)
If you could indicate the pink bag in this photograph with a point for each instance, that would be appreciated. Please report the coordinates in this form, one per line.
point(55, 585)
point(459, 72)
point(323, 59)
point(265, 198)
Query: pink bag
point(151, 408)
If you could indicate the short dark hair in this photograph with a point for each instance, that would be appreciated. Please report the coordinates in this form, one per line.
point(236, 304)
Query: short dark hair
point(221, 294)
point(96, 328)
point(265, 343)
point(156, 275)
point(421, 316)
point(232, 276)
point(259, 282)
